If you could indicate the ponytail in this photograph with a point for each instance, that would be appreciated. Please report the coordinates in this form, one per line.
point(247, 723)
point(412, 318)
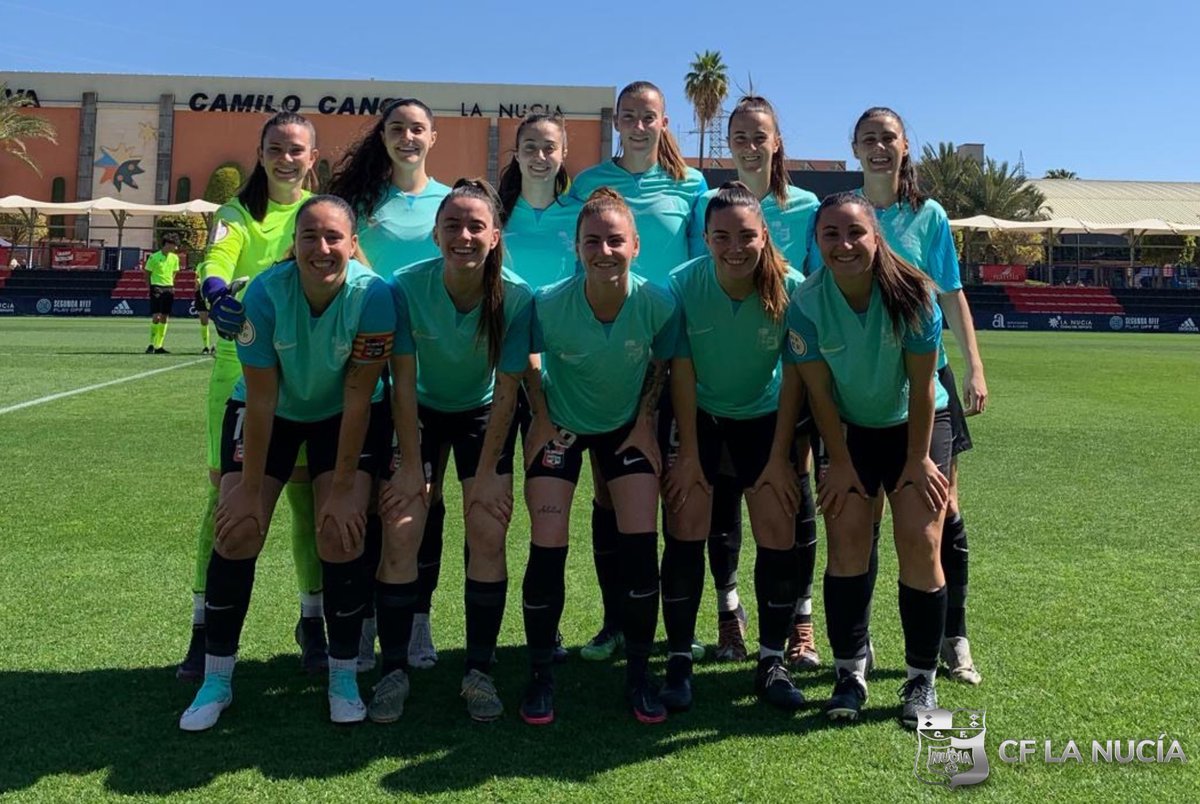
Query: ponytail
point(509, 190)
point(910, 183)
point(491, 312)
point(255, 193)
point(670, 158)
point(363, 174)
point(906, 291)
point(772, 267)
point(602, 199)
point(780, 181)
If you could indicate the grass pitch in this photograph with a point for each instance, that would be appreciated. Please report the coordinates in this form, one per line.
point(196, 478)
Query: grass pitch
point(1080, 501)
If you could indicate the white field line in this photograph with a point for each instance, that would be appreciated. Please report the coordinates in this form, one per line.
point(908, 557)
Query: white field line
point(64, 394)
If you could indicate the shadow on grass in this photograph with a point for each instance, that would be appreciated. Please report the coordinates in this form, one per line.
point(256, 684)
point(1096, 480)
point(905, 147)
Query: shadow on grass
point(124, 722)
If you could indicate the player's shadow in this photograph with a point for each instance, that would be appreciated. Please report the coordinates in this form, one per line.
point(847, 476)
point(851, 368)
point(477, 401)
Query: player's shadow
point(123, 724)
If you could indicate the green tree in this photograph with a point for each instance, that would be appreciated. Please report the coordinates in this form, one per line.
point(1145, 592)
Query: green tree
point(14, 227)
point(223, 184)
point(706, 86)
point(1004, 192)
point(17, 126)
point(1060, 173)
point(947, 176)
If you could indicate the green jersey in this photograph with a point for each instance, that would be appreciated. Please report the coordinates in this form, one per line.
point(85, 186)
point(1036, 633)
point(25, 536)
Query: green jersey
point(539, 244)
point(788, 224)
point(662, 211)
point(734, 346)
point(399, 230)
point(453, 373)
point(865, 358)
point(311, 352)
point(162, 268)
point(241, 247)
point(592, 372)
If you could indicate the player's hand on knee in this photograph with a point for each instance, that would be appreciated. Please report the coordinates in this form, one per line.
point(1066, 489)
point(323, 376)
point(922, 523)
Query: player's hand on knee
point(683, 478)
point(925, 476)
point(492, 494)
point(342, 522)
point(406, 485)
point(839, 482)
point(237, 513)
point(780, 476)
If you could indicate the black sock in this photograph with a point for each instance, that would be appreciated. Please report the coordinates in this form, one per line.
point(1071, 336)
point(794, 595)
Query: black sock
point(775, 588)
point(543, 593)
point(682, 586)
point(954, 566)
point(848, 614)
point(485, 611)
point(725, 537)
point(639, 587)
point(372, 551)
point(873, 564)
point(226, 599)
point(605, 547)
point(429, 556)
point(345, 597)
point(806, 547)
point(923, 617)
point(394, 606)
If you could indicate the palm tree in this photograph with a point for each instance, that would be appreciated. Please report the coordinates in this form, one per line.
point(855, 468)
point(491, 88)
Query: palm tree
point(16, 127)
point(1060, 173)
point(1004, 192)
point(947, 176)
point(706, 86)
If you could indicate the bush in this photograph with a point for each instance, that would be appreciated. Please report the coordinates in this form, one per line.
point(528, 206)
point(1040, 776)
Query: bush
point(14, 227)
point(223, 184)
point(191, 230)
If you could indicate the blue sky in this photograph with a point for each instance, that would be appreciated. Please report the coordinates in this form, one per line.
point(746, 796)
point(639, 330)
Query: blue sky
point(1107, 90)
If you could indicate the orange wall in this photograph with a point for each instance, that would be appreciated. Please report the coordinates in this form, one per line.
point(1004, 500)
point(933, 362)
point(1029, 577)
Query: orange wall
point(17, 178)
point(204, 140)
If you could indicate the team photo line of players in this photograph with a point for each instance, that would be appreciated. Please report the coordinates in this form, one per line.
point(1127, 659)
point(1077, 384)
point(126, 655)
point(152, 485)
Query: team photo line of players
point(665, 329)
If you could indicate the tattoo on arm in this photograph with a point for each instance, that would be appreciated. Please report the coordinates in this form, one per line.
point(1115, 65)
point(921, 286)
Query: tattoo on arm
point(652, 386)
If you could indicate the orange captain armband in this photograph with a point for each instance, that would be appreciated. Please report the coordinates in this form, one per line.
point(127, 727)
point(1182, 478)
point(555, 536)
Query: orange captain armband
point(372, 347)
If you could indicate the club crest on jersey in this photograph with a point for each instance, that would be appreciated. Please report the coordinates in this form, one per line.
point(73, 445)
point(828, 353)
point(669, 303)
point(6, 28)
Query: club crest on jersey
point(634, 350)
point(219, 232)
point(797, 343)
point(768, 339)
point(247, 334)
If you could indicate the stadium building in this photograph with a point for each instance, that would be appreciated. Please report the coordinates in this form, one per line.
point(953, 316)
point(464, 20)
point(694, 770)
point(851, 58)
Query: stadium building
point(157, 139)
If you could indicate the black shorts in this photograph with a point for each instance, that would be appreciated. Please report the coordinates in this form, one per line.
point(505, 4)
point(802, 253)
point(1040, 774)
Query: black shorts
point(161, 299)
point(563, 457)
point(879, 453)
point(746, 443)
point(958, 419)
point(199, 302)
point(287, 436)
point(463, 432)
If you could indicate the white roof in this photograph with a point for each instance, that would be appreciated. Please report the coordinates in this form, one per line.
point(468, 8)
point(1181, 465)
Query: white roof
point(113, 205)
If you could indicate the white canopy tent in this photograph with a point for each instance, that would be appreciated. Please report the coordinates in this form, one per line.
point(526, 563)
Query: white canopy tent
point(120, 210)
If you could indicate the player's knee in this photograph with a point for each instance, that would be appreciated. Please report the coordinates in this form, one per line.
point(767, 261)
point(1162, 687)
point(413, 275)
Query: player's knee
point(331, 546)
point(242, 542)
point(485, 539)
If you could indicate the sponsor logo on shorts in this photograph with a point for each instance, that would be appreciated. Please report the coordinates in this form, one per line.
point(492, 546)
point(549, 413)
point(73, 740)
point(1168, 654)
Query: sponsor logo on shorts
point(630, 460)
point(246, 336)
point(1186, 326)
point(123, 308)
point(239, 453)
point(797, 343)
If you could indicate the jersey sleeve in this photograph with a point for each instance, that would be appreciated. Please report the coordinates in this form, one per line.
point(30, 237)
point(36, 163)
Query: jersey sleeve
point(928, 337)
point(696, 245)
point(802, 337)
point(514, 354)
point(943, 258)
point(225, 243)
point(256, 341)
point(667, 335)
point(537, 340)
point(376, 325)
point(151, 261)
point(403, 343)
point(683, 346)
